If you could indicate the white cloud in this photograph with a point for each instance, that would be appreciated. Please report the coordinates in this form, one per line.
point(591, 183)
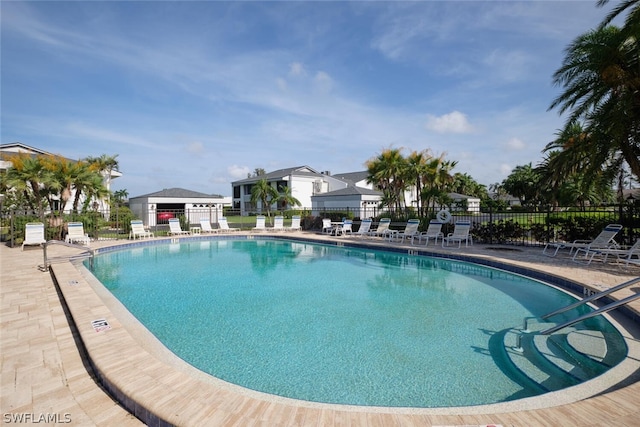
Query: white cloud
point(297, 69)
point(195, 147)
point(323, 82)
point(505, 169)
point(238, 172)
point(454, 122)
point(516, 144)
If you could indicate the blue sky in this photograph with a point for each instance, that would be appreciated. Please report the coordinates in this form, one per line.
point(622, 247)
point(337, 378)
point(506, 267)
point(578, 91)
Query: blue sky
point(198, 94)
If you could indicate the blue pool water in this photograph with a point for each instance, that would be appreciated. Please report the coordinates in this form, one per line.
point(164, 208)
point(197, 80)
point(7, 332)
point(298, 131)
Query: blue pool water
point(329, 324)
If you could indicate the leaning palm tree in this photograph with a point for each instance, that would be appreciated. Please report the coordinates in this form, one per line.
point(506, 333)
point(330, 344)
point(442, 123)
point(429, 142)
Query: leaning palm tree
point(601, 80)
point(264, 193)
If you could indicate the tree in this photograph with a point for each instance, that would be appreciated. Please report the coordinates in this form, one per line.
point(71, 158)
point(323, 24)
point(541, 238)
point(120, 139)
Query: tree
point(287, 198)
point(523, 184)
point(28, 176)
point(600, 76)
point(104, 165)
point(263, 192)
point(119, 196)
point(388, 171)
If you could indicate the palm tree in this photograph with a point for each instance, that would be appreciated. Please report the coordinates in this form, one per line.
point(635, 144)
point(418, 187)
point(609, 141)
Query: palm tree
point(287, 198)
point(29, 177)
point(387, 172)
point(104, 165)
point(601, 80)
point(416, 168)
point(263, 192)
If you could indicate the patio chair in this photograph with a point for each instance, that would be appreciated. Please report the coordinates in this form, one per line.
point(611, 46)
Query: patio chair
point(260, 223)
point(345, 228)
point(295, 224)
point(434, 231)
point(175, 229)
point(625, 255)
point(278, 223)
point(33, 234)
point(410, 230)
point(76, 234)
point(461, 232)
point(602, 241)
point(365, 227)
point(383, 228)
point(205, 226)
point(138, 231)
point(327, 227)
point(223, 225)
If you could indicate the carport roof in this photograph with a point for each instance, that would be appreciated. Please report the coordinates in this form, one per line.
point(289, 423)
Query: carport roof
point(179, 193)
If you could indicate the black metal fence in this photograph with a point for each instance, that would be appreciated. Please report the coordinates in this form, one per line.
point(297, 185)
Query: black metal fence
point(512, 227)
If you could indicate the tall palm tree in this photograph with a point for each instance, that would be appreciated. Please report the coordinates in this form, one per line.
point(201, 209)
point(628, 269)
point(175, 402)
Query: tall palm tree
point(601, 80)
point(416, 168)
point(104, 165)
point(263, 192)
point(387, 172)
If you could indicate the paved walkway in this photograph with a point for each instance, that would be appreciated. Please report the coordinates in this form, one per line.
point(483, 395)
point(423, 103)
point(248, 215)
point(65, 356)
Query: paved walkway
point(45, 377)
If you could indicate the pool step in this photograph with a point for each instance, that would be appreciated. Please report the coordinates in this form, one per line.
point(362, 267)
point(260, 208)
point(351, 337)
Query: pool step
point(555, 361)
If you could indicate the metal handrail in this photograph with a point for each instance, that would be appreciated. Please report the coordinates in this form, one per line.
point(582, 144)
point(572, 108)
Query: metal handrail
point(594, 313)
point(87, 252)
point(592, 297)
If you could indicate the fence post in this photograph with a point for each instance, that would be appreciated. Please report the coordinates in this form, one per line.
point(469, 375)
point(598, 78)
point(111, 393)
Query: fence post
point(491, 228)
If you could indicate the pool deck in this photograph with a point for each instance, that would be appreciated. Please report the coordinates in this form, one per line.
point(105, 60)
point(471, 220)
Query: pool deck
point(47, 375)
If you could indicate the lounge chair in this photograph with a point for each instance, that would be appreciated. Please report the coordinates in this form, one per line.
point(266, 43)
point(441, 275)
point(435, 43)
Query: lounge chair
point(327, 227)
point(278, 223)
point(434, 231)
point(602, 241)
point(345, 228)
point(383, 228)
point(461, 232)
point(260, 223)
point(365, 227)
point(138, 231)
point(205, 226)
point(295, 224)
point(223, 225)
point(33, 234)
point(175, 229)
point(410, 230)
point(76, 234)
point(623, 255)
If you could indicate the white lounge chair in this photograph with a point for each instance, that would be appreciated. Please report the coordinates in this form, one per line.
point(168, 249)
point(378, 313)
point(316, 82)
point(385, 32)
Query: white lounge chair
point(223, 225)
point(205, 226)
point(410, 230)
point(278, 223)
point(295, 224)
point(175, 229)
point(365, 227)
point(383, 228)
point(345, 228)
point(76, 234)
point(260, 223)
point(461, 232)
point(434, 231)
point(602, 241)
point(630, 255)
point(327, 227)
point(33, 234)
point(138, 231)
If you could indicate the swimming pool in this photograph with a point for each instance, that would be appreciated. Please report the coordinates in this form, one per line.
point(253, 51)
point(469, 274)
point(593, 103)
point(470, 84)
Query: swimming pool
point(330, 324)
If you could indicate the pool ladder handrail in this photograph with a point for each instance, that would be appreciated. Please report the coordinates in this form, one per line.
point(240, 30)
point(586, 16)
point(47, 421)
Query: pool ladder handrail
point(594, 313)
point(592, 297)
point(609, 307)
point(87, 253)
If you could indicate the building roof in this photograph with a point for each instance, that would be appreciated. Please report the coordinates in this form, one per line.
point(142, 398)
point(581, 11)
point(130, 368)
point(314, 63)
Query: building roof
point(281, 173)
point(353, 177)
point(179, 193)
point(458, 196)
point(351, 190)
